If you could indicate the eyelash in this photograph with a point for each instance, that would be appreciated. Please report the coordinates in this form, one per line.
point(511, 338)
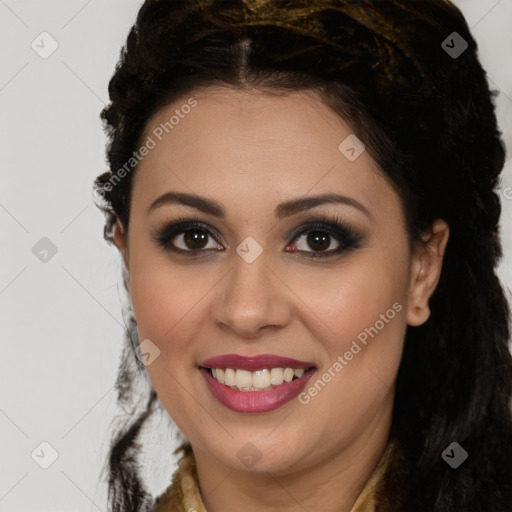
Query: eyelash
point(344, 233)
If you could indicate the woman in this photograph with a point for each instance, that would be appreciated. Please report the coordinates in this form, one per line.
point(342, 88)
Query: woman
point(303, 194)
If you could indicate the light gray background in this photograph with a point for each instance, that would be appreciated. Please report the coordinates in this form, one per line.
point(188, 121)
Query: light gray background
point(61, 323)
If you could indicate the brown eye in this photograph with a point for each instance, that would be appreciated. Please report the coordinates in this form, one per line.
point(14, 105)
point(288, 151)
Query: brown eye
point(187, 237)
point(325, 238)
point(195, 239)
point(318, 241)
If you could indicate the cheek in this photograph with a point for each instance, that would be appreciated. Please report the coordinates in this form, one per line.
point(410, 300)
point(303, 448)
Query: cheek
point(363, 306)
point(364, 309)
point(165, 298)
point(167, 302)
point(355, 295)
point(171, 303)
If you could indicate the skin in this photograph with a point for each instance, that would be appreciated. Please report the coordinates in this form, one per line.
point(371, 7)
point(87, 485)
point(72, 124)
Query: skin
point(250, 151)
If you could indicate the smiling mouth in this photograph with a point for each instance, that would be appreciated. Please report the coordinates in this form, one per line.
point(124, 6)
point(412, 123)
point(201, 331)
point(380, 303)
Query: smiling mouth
point(261, 380)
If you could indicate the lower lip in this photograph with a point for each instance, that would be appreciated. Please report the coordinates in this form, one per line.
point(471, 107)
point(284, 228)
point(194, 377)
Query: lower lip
point(255, 401)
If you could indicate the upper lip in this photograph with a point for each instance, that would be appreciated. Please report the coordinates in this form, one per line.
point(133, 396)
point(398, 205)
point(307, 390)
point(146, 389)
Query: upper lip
point(254, 362)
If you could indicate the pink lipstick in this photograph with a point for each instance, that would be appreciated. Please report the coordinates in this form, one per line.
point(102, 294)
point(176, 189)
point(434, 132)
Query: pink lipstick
point(248, 398)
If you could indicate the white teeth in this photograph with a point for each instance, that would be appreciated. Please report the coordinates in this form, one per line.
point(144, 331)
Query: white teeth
point(288, 374)
point(276, 376)
point(229, 377)
point(263, 379)
point(243, 379)
point(220, 375)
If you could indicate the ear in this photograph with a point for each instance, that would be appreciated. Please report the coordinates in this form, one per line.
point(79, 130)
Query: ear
point(426, 268)
point(121, 241)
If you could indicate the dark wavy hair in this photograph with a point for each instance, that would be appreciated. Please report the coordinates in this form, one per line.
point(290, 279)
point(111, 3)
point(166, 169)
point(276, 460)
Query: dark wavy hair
point(428, 120)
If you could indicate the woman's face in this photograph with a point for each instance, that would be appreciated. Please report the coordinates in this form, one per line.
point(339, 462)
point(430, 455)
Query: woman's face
point(251, 279)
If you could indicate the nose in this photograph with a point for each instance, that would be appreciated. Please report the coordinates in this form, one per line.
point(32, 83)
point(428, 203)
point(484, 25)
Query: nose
point(252, 300)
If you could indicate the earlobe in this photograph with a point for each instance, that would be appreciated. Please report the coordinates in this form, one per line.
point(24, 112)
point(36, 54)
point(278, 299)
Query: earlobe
point(120, 240)
point(425, 272)
point(118, 234)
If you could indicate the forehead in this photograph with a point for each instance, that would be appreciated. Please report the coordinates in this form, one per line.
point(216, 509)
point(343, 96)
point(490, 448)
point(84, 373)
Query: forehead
point(252, 145)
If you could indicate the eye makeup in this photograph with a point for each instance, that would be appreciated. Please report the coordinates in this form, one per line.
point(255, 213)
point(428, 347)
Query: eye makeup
point(320, 227)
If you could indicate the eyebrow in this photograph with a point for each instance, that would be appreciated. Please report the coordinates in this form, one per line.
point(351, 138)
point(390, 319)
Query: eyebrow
point(286, 209)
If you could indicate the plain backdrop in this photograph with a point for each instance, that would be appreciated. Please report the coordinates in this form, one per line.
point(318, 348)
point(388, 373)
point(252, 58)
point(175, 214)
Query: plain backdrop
point(61, 324)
